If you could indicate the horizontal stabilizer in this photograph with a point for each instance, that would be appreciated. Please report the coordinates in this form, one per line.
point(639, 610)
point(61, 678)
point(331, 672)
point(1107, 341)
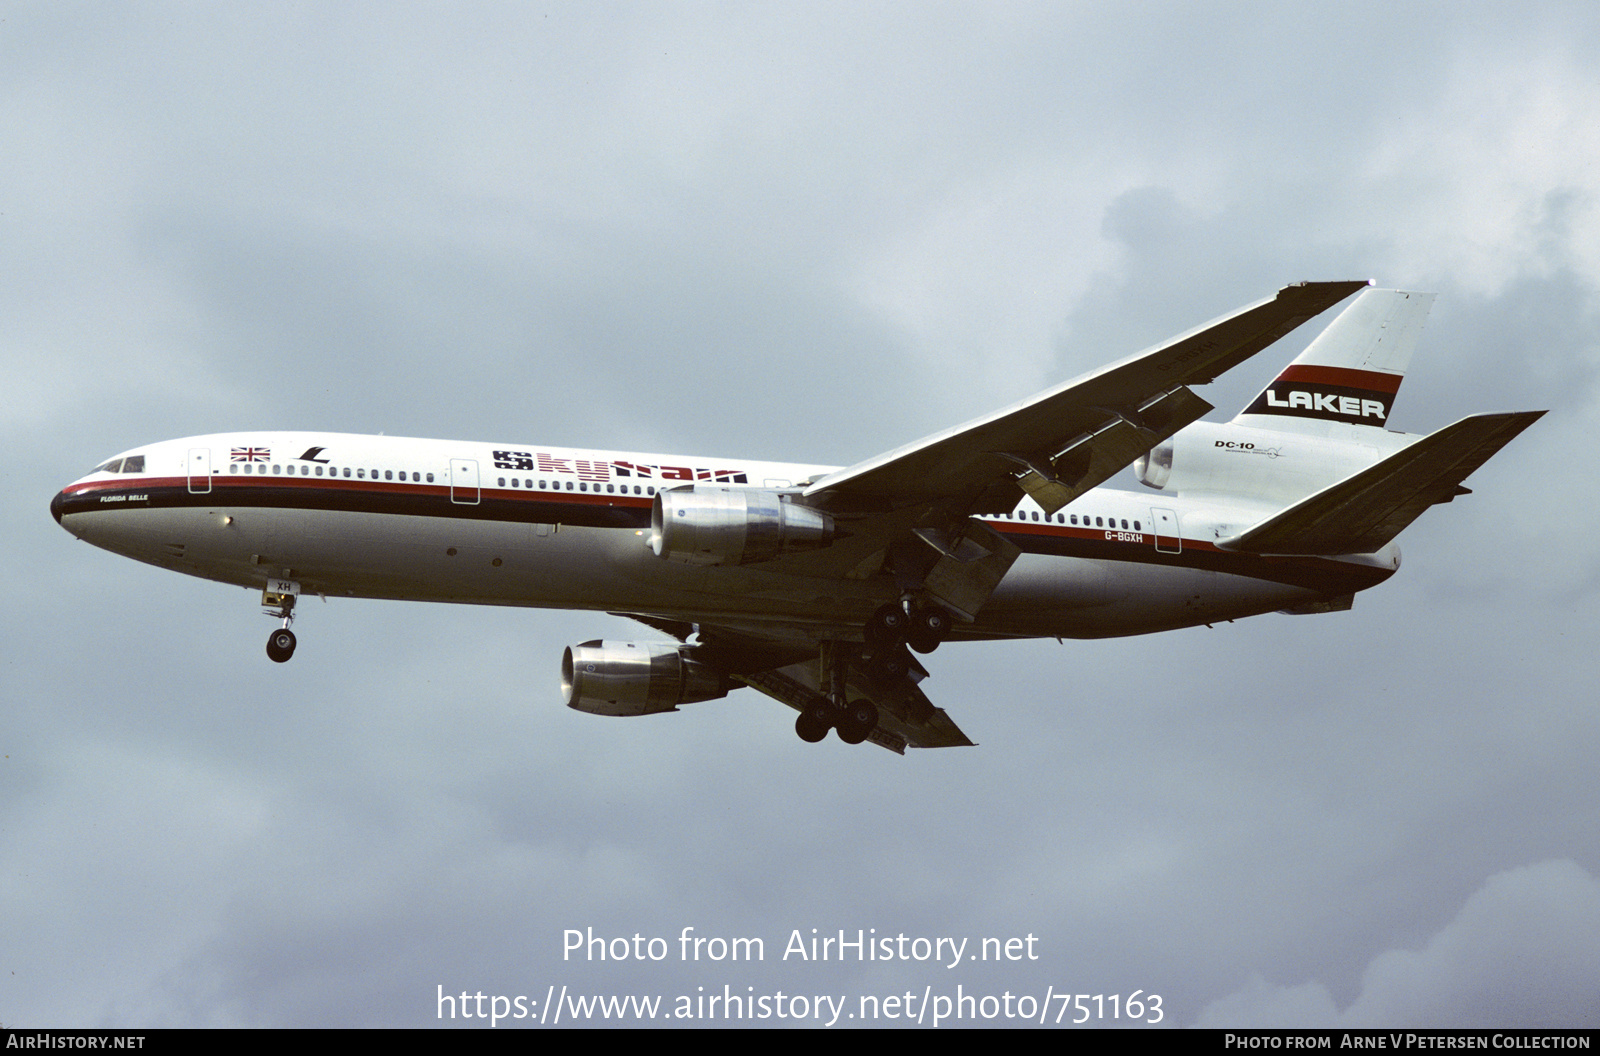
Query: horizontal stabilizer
point(1363, 512)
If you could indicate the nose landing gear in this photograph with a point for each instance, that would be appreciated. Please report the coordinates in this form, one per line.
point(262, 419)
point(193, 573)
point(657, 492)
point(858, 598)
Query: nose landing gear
point(280, 646)
point(278, 598)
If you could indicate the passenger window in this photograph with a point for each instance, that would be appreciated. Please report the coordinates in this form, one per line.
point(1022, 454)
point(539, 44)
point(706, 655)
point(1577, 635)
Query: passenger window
point(347, 471)
point(1136, 527)
point(430, 478)
point(1099, 522)
point(1124, 524)
point(502, 482)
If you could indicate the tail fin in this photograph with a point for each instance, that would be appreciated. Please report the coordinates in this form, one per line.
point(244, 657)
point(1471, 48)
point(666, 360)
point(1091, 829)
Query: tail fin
point(1344, 383)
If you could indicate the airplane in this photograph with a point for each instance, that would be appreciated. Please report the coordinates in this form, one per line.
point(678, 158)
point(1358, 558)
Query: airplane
point(821, 586)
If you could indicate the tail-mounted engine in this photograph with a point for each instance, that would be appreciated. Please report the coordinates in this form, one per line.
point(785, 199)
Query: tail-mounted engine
point(734, 526)
point(1257, 463)
point(636, 678)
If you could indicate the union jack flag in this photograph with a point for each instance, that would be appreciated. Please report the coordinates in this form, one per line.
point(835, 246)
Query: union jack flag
point(251, 454)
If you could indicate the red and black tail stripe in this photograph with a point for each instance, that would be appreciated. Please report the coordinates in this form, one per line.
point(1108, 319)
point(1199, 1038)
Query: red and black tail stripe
point(1333, 394)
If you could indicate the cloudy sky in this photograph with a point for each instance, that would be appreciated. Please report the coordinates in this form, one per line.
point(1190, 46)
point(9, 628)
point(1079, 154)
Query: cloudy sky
point(798, 232)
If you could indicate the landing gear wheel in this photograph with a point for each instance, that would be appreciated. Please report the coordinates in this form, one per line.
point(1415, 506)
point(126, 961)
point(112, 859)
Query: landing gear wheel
point(814, 723)
point(928, 628)
point(858, 721)
point(280, 646)
point(887, 627)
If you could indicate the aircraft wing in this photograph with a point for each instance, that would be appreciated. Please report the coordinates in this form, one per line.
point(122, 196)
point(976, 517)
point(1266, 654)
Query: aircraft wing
point(788, 668)
point(905, 720)
point(1064, 441)
point(911, 511)
point(1363, 512)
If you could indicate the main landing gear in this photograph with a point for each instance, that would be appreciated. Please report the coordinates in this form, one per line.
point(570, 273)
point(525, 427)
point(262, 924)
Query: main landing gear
point(886, 664)
point(855, 722)
point(922, 628)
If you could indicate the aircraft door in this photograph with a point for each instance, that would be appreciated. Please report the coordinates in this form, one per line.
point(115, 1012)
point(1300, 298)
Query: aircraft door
point(1165, 522)
point(464, 481)
point(199, 468)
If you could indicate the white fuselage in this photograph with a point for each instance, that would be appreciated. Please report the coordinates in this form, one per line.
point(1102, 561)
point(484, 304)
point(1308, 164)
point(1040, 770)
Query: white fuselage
point(501, 524)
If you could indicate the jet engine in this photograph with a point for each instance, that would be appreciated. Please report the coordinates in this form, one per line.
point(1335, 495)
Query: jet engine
point(1263, 464)
point(732, 526)
point(636, 678)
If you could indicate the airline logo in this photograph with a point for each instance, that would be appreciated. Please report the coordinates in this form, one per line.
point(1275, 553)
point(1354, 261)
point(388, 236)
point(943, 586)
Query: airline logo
point(1334, 394)
point(597, 470)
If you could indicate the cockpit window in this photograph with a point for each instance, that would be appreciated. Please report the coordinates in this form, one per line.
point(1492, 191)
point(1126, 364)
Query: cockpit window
point(131, 464)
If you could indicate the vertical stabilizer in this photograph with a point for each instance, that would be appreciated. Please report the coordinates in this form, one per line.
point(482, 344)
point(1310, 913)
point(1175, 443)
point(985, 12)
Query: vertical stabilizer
point(1346, 380)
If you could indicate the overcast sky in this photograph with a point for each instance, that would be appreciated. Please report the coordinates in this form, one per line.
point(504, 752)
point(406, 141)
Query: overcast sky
point(804, 232)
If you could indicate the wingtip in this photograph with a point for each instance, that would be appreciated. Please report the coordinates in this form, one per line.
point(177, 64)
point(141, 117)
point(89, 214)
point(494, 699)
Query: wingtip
point(1327, 293)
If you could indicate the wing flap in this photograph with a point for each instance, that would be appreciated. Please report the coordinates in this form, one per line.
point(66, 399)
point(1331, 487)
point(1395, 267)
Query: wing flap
point(1094, 458)
point(910, 722)
point(1366, 510)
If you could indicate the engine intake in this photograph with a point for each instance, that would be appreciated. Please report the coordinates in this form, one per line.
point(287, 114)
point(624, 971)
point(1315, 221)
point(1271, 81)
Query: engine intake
point(635, 678)
point(733, 526)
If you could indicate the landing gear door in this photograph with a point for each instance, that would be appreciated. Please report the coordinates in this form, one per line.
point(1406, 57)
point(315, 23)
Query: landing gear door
point(464, 481)
point(1165, 522)
point(199, 467)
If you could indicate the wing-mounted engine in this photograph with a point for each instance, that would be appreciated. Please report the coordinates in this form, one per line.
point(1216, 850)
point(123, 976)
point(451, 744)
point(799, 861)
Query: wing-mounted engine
point(734, 526)
point(636, 678)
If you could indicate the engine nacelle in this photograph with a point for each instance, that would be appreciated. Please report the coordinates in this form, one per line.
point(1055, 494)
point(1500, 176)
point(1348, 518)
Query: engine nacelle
point(733, 526)
point(1265, 464)
point(635, 678)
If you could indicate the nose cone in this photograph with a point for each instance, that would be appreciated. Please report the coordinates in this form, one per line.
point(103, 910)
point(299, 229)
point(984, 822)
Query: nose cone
point(56, 504)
